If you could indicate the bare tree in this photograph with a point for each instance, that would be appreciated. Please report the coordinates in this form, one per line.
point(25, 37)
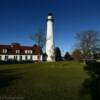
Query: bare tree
point(39, 38)
point(88, 41)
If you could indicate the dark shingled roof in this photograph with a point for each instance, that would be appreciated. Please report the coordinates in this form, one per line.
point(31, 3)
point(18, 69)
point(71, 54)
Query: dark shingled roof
point(11, 49)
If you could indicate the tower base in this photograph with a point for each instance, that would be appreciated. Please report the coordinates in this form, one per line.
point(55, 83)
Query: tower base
point(51, 59)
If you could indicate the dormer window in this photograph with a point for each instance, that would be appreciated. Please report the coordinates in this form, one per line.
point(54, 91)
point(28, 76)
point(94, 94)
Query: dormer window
point(26, 51)
point(17, 51)
point(4, 50)
point(29, 51)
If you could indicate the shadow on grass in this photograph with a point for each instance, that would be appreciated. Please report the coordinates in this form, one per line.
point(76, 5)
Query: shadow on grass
point(7, 76)
point(91, 85)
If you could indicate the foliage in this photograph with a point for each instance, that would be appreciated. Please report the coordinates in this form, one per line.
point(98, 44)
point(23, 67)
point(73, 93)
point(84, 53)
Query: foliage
point(58, 54)
point(15, 62)
point(92, 84)
point(97, 55)
point(76, 54)
point(67, 56)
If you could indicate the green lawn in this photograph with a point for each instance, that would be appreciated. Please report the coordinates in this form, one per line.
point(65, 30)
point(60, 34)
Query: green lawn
point(42, 81)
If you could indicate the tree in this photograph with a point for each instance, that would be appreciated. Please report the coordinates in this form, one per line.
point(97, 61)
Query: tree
point(39, 38)
point(58, 54)
point(76, 54)
point(67, 56)
point(88, 41)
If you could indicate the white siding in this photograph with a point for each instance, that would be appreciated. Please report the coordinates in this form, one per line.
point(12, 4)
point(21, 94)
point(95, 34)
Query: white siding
point(34, 57)
point(28, 57)
point(23, 57)
point(11, 56)
point(3, 57)
point(18, 57)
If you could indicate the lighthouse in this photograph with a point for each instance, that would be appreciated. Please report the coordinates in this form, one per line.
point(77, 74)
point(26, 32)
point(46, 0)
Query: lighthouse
point(50, 39)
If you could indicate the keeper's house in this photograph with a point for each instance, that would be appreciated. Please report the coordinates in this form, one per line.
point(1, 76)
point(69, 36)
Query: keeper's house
point(20, 53)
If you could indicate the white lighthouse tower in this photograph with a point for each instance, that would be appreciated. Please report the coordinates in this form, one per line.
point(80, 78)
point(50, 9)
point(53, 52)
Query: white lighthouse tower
point(49, 39)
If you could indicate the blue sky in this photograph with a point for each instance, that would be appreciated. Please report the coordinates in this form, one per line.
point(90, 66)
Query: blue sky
point(19, 18)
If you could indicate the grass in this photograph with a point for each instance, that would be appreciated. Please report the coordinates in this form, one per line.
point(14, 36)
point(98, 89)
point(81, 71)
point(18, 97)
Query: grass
point(42, 81)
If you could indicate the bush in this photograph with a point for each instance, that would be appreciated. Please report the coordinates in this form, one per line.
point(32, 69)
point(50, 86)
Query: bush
point(15, 62)
point(67, 56)
point(93, 68)
point(91, 85)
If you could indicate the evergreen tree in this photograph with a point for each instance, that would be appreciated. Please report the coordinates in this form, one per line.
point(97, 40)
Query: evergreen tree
point(67, 56)
point(58, 54)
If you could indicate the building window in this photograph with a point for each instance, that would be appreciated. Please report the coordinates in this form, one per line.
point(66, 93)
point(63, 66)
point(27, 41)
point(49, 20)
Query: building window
point(4, 50)
point(17, 51)
point(21, 58)
point(31, 58)
point(15, 57)
point(6, 57)
point(38, 57)
point(26, 58)
point(28, 51)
